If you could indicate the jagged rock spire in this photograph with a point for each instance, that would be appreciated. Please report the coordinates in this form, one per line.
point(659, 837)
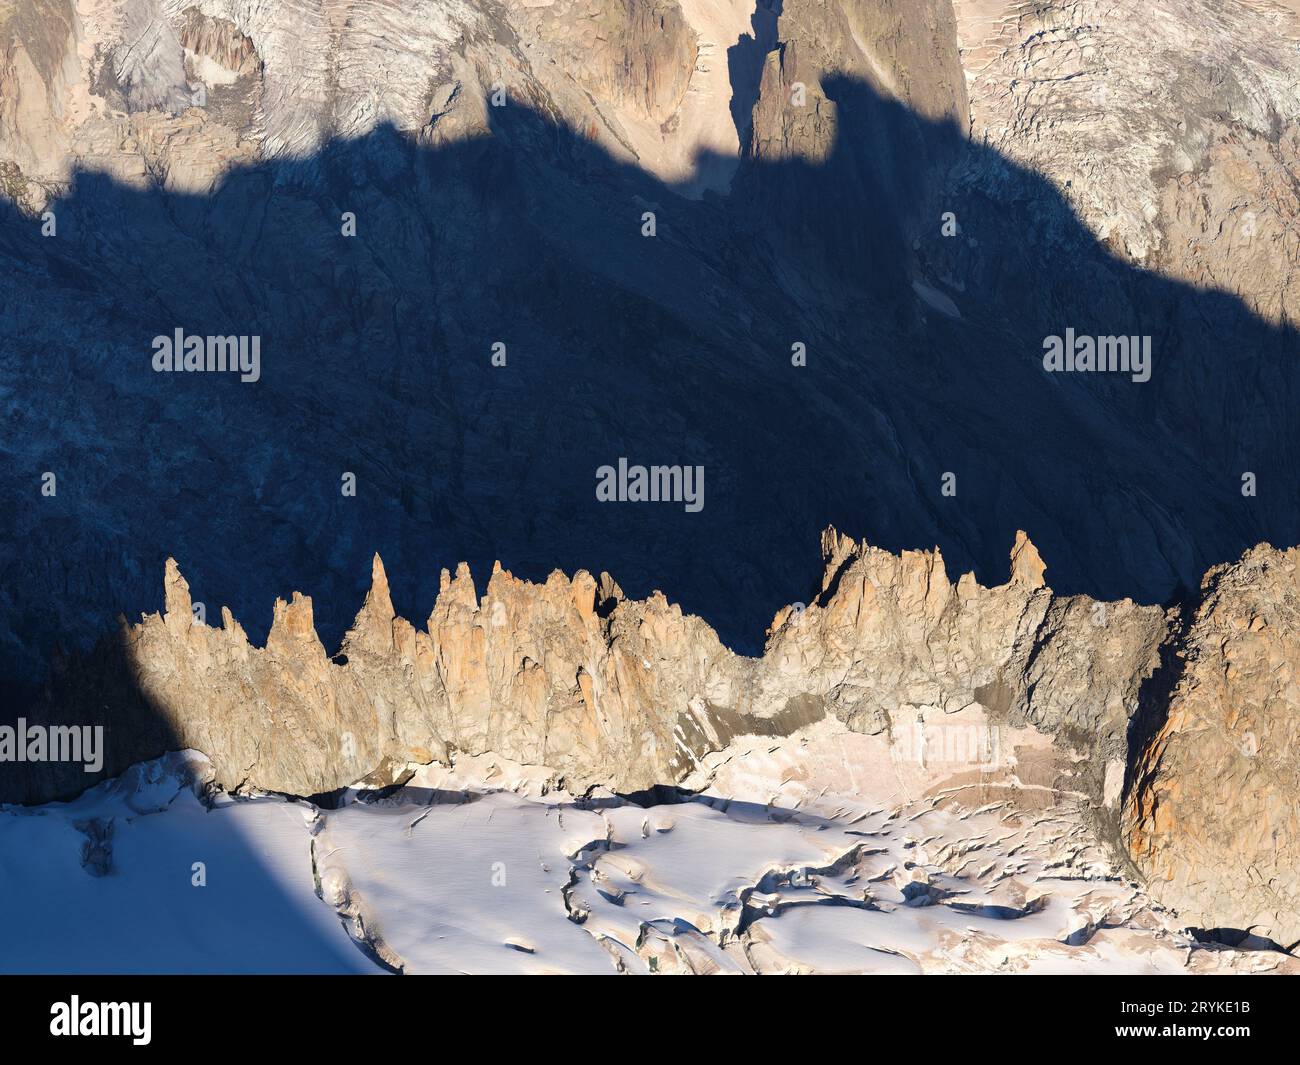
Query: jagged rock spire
point(1027, 567)
point(373, 627)
point(178, 608)
point(293, 628)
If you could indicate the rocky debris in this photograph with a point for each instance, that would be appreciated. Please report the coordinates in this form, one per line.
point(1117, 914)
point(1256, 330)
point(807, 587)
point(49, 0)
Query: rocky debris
point(1212, 817)
point(97, 848)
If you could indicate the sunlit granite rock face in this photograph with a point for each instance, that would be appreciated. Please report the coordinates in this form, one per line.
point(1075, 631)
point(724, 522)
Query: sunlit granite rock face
point(624, 693)
point(1212, 818)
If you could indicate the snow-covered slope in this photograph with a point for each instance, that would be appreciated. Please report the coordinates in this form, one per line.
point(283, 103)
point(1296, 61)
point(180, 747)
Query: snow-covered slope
point(108, 883)
point(487, 869)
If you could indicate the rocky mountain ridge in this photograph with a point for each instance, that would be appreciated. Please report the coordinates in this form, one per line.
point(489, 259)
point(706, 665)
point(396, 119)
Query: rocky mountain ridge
point(632, 695)
point(918, 191)
point(200, 160)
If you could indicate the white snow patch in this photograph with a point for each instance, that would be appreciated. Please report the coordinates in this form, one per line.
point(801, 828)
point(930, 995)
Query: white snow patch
point(488, 868)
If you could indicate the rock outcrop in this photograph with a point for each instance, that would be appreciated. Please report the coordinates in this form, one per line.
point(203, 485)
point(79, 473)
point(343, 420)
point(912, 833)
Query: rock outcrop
point(626, 694)
point(38, 64)
point(1213, 818)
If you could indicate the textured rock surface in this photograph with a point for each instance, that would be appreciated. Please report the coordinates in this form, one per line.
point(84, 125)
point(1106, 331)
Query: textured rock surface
point(626, 694)
point(199, 181)
point(1214, 816)
point(1168, 124)
point(199, 157)
point(634, 694)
